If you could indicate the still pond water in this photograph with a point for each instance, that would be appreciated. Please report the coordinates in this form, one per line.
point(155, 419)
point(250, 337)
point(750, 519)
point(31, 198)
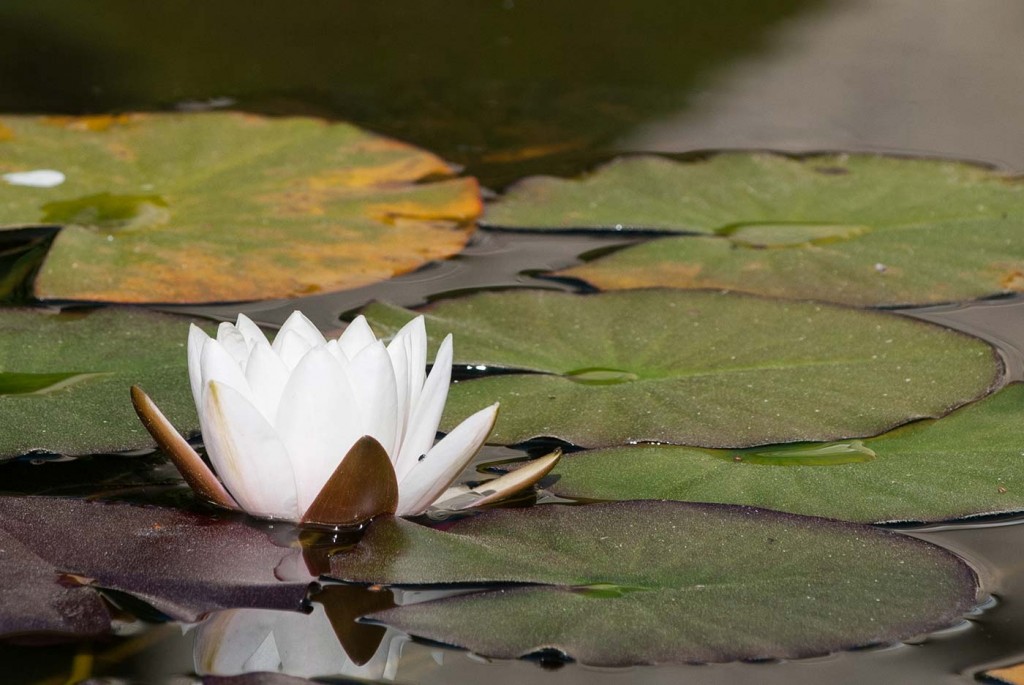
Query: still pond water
point(509, 88)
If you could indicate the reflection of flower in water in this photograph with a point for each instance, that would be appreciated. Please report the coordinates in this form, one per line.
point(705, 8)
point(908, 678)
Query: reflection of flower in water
point(326, 642)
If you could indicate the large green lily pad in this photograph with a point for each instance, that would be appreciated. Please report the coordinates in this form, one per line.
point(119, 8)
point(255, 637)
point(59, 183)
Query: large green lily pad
point(969, 463)
point(650, 582)
point(861, 230)
point(224, 206)
point(64, 379)
point(697, 368)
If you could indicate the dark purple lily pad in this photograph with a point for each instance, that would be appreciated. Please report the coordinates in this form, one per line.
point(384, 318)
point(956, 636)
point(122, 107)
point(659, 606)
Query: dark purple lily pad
point(37, 599)
point(182, 564)
point(656, 582)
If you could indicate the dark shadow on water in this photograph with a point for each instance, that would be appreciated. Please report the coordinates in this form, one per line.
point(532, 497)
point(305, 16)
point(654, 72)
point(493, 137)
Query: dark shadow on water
point(506, 87)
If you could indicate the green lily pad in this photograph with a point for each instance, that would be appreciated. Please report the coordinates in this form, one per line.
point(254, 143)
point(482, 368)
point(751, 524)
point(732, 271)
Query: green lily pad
point(697, 368)
point(652, 582)
point(64, 379)
point(860, 230)
point(224, 206)
point(969, 463)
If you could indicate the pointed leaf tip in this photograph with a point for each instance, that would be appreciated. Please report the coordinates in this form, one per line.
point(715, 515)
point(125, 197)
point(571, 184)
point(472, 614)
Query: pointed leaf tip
point(362, 486)
point(189, 464)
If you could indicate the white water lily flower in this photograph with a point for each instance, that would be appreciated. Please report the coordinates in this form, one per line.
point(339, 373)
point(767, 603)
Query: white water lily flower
point(328, 431)
point(277, 419)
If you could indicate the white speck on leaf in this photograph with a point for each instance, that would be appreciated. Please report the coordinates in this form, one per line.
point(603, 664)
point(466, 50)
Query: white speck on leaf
point(38, 178)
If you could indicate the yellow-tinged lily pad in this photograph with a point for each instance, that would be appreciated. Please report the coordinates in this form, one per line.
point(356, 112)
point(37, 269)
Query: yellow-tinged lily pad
point(65, 379)
point(856, 229)
point(655, 582)
point(697, 368)
point(225, 206)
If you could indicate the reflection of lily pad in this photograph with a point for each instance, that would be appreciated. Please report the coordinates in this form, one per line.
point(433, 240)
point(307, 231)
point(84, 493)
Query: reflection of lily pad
point(968, 463)
point(860, 230)
point(64, 379)
point(224, 206)
point(698, 368)
point(182, 564)
point(642, 582)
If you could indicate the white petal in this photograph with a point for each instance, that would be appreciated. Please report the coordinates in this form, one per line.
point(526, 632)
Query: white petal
point(391, 657)
point(197, 338)
point(408, 351)
point(334, 348)
point(432, 475)
point(310, 647)
point(250, 331)
point(376, 394)
point(426, 413)
point(226, 641)
point(398, 352)
point(216, 364)
point(298, 323)
point(318, 420)
point(267, 376)
point(234, 342)
point(291, 347)
point(356, 336)
point(265, 658)
point(247, 454)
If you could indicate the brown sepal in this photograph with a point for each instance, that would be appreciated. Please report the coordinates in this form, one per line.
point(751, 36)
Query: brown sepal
point(517, 480)
point(363, 486)
point(189, 464)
